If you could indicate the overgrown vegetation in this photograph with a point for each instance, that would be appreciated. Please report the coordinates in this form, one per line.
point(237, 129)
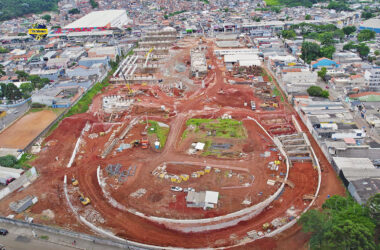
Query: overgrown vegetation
point(272, 2)
point(361, 48)
point(225, 128)
point(166, 16)
point(343, 224)
point(160, 132)
point(318, 91)
point(10, 161)
point(94, 4)
point(10, 9)
point(84, 103)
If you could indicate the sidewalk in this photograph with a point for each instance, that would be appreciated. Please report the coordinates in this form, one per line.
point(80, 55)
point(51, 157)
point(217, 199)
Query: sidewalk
point(44, 240)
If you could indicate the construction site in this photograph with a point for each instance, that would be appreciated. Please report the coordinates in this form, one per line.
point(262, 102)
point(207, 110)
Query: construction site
point(180, 152)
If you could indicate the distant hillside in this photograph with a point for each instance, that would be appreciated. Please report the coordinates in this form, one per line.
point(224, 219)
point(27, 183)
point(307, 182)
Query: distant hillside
point(16, 8)
point(293, 3)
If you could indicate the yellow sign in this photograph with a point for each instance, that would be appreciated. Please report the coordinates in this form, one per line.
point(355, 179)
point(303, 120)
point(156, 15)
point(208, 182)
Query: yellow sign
point(38, 31)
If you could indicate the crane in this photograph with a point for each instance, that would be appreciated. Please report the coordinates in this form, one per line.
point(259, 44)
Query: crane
point(147, 56)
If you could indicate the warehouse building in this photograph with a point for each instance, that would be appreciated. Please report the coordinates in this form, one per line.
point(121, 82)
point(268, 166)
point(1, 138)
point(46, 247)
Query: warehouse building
point(96, 22)
point(371, 24)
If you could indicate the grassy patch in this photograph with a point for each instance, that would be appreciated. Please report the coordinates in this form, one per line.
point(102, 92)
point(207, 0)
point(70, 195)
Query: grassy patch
point(44, 237)
point(264, 73)
point(224, 128)
point(272, 2)
point(161, 132)
point(57, 111)
point(85, 102)
point(276, 92)
point(25, 159)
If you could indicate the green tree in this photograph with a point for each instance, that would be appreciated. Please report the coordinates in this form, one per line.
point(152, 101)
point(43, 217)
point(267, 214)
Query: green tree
point(348, 235)
point(315, 222)
point(367, 15)
point(12, 92)
point(3, 50)
point(338, 6)
point(338, 34)
point(366, 35)
point(26, 89)
point(348, 30)
point(377, 52)
point(373, 206)
point(47, 18)
point(349, 46)
point(310, 51)
point(275, 9)
point(317, 91)
point(74, 11)
point(343, 224)
point(307, 17)
point(8, 161)
point(3, 89)
point(11, 8)
point(322, 73)
point(22, 75)
point(2, 72)
point(362, 49)
point(226, 9)
point(94, 4)
point(288, 34)
point(326, 38)
point(327, 51)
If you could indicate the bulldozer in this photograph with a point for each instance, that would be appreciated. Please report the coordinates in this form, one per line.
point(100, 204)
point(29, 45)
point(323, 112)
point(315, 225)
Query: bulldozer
point(74, 181)
point(84, 200)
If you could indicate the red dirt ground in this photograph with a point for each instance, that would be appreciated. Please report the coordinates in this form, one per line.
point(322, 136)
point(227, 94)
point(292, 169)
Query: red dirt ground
point(53, 159)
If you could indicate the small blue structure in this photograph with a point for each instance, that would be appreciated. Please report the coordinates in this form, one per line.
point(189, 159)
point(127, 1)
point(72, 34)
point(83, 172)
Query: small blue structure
point(324, 62)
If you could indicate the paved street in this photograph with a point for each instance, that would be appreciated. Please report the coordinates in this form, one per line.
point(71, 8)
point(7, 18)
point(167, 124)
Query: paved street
point(26, 238)
point(12, 114)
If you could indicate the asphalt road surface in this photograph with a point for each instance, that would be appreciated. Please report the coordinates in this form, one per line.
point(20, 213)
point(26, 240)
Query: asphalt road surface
point(12, 114)
point(20, 238)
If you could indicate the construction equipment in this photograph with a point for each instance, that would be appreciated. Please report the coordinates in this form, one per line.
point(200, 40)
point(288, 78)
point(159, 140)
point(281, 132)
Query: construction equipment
point(84, 200)
point(147, 56)
point(266, 226)
point(135, 143)
point(74, 181)
point(144, 143)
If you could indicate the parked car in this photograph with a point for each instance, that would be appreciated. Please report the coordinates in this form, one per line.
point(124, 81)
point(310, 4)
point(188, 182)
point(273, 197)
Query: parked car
point(3, 231)
point(176, 189)
point(188, 189)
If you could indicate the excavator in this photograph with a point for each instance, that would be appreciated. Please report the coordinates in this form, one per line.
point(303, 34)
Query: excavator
point(84, 200)
point(74, 181)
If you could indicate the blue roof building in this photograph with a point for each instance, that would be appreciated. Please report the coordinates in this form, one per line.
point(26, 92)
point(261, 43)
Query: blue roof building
point(324, 62)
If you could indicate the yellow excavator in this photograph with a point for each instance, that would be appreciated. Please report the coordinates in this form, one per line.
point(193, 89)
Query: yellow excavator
point(84, 200)
point(74, 181)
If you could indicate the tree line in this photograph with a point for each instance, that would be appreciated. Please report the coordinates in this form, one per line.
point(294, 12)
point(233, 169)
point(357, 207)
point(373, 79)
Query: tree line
point(12, 93)
point(11, 9)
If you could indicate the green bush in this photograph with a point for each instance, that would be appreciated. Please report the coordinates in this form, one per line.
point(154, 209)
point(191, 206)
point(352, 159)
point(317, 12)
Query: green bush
point(8, 161)
point(37, 105)
point(317, 91)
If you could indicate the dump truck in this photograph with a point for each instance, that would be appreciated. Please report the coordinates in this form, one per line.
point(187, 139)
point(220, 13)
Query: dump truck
point(84, 200)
